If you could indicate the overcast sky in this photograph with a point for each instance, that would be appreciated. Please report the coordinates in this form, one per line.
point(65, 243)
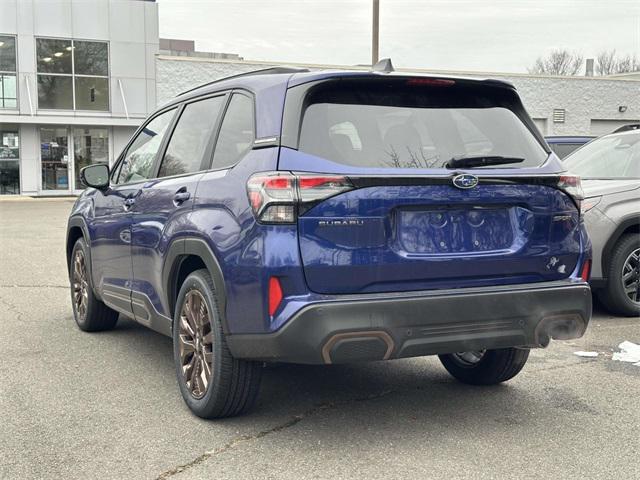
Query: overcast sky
point(478, 35)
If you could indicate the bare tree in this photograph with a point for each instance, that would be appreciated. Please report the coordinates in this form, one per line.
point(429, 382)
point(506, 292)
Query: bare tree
point(606, 62)
point(627, 64)
point(558, 62)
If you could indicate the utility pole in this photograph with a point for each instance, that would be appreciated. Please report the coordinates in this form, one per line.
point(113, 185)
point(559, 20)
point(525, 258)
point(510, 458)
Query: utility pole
point(375, 32)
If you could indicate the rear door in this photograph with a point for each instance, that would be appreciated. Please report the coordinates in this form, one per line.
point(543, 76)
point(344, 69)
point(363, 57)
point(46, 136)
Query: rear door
point(411, 223)
point(163, 204)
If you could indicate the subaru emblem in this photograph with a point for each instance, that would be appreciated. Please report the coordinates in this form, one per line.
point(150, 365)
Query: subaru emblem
point(465, 181)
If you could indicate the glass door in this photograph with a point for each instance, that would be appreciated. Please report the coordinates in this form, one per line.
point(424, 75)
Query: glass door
point(9, 159)
point(54, 159)
point(90, 145)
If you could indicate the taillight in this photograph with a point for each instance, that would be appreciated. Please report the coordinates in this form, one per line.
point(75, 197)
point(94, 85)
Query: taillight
point(585, 273)
point(571, 185)
point(276, 197)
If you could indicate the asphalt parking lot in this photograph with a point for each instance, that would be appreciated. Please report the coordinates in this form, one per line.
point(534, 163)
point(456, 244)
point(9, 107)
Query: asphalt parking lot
point(78, 405)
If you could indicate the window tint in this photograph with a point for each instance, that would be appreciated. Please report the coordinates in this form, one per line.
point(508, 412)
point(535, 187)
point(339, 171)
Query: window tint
point(236, 134)
point(191, 137)
point(371, 125)
point(139, 158)
point(615, 156)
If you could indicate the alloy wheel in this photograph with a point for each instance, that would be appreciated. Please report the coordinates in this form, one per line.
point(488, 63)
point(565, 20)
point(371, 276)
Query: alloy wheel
point(469, 358)
point(80, 285)
point(631, 276)
point(196, 344)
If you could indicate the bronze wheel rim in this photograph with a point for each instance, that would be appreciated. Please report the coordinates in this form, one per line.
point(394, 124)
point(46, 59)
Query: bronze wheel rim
point(80, 285)
point(195, 342)
point(631, 276)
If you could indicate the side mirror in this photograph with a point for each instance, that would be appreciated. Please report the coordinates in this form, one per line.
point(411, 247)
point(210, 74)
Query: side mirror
point(96, 176)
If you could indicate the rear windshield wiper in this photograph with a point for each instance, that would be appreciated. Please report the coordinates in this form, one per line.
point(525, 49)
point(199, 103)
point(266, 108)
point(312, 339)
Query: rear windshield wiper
point(481, 161)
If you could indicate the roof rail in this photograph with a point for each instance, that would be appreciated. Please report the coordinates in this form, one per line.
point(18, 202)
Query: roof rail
point(263, 71)
point(626, 128)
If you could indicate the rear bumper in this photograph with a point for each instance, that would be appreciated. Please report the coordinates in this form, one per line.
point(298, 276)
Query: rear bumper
point(380, 327)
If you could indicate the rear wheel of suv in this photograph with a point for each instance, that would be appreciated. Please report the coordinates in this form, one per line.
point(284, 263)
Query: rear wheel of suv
point(485, 367)
point(622, 292)
point(212, 382)
point(90, 314)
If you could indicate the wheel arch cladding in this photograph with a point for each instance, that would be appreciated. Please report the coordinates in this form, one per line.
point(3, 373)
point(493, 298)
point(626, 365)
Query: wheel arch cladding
point(75, 230)
point(185, 256)
point(626, 226)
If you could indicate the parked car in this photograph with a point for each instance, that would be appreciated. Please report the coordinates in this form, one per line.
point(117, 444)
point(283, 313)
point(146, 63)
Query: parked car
point(331, 217)
point(610, 171)
point(564, 145)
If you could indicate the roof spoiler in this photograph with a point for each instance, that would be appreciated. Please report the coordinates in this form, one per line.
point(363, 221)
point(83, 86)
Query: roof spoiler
point(263, 71)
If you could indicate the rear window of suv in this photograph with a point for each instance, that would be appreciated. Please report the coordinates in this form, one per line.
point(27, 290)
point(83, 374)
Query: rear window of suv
point(405, 124)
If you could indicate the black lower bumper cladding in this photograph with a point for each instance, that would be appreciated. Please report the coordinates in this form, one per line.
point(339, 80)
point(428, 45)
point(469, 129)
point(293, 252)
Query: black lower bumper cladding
point(380, 327)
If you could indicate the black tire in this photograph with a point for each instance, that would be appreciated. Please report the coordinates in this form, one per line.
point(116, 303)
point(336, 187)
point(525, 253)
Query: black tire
point(92, 315)
point(495, 366)
point(233, 385)
point(613, 295)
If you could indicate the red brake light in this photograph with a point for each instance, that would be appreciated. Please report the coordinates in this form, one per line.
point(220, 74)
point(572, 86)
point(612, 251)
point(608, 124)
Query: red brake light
point(434, 82)
point(585, 273)
point(275, 295)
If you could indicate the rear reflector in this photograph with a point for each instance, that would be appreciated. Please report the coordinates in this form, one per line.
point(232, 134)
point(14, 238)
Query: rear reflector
point(275, 295)
point(585, 273)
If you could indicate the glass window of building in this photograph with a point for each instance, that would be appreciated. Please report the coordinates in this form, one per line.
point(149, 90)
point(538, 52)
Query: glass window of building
point(72, 74)
point(90, 145)
point(9, 159)
point(54, 156)
point(8, 83)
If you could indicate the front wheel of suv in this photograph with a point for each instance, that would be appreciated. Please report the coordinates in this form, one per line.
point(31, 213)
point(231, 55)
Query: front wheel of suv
point(485, 367)
point(213, 383)
point(622, 292)
point(90, 314)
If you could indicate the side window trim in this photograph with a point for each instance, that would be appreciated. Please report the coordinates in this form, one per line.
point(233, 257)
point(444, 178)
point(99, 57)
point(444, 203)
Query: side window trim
point(115, 172)
point(251, 97)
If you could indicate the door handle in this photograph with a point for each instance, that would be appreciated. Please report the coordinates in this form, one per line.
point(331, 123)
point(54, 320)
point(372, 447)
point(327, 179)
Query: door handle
point(181, 196)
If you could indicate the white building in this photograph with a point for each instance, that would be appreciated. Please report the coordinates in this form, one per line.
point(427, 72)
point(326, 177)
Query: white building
point(76, 78)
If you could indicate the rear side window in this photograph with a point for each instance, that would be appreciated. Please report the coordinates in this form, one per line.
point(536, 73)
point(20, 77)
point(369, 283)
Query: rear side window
point(138, 160)
point(192, 137)
point(405, 125)
point(236, 133)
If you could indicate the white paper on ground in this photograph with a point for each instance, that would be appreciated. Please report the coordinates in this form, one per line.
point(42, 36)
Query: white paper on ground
point(586, 354)
point(629, 352)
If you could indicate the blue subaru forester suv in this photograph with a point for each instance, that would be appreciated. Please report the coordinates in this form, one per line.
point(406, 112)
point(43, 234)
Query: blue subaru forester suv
point(331, 217)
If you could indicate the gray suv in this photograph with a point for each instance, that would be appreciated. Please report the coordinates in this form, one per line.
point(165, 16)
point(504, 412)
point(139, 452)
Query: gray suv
point(610, 171)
